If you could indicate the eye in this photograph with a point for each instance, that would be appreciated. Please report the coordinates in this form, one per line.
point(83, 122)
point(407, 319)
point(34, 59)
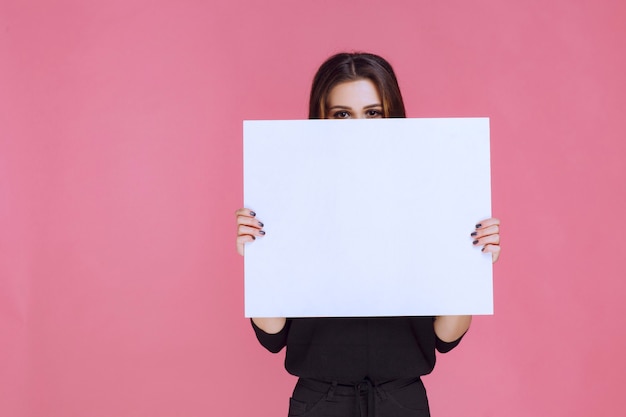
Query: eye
point(342, 114)
point(374, 113)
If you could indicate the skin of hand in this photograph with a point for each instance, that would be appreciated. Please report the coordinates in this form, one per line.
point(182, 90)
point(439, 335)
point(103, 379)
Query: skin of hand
point(487, 235)
point(447, 328)
point(248, 228)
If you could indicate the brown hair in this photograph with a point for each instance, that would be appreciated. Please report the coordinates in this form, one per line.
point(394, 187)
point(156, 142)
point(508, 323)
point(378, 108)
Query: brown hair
point(351, 67)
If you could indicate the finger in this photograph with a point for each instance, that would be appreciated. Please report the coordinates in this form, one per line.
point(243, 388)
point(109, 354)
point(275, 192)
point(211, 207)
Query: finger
point(241, 241)
point(244, 230)
point(487, 222)
point(487, 240)
point(494, 250)
point(249, 221)
point(245, 212)
point(486, 231)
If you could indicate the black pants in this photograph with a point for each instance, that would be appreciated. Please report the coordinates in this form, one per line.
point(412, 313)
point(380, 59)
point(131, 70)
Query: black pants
point(399, 398)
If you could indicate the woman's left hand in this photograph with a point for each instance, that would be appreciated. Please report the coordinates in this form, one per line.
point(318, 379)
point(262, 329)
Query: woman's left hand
point(487, 235)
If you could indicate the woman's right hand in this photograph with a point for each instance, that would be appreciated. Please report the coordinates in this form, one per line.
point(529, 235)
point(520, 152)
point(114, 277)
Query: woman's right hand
point(248, 228)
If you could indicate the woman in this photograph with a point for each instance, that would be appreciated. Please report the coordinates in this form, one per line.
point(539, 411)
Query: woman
point(360, 366)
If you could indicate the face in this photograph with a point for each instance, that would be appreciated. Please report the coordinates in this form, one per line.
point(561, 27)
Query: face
point(354, 100)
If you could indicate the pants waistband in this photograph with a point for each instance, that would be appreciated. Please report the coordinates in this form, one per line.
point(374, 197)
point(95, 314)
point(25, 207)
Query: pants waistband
point(352, 388)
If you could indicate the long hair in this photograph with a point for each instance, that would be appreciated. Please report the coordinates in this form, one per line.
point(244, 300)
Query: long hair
point(352, 67)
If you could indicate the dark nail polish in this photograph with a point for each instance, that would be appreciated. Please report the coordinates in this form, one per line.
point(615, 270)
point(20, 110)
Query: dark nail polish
point(478, 225)
point(474, 242)
point(260, 224)
point(252, 213)
point(474, 234)
point(261, 232)
point(483, 249)
point(253, 238)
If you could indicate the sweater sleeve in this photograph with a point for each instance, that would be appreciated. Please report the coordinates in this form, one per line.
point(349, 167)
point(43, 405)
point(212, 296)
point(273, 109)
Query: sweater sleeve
point(444, 347)
point(272, 342)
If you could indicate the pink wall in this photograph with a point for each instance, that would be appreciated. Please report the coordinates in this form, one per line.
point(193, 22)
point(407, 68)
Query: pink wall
point(120, 170)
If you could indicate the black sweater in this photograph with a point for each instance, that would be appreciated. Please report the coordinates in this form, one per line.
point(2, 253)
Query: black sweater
point(351, 349)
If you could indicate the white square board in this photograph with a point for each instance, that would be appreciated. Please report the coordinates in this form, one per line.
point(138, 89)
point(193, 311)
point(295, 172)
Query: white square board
point(367, 217)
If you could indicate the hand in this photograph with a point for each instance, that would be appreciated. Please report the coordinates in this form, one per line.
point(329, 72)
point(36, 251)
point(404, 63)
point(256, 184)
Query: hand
point(248, 228)
point(487, 234)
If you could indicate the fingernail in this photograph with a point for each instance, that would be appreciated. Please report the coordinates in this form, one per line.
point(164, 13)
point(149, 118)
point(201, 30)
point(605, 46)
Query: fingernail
point(253, 238)
point(260, 224)
point(474, 242)
point(261, 232)
point(474, 234)
point(478, 225)
point(252, 213)
point(483, 249)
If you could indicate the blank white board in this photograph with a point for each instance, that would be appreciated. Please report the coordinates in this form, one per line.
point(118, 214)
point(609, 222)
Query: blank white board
point(367, 217)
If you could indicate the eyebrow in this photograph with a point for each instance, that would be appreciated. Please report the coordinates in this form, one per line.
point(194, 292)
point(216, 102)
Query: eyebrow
point(369, 106)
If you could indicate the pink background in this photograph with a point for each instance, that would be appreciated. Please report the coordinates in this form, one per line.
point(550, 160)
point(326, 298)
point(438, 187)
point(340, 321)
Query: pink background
point(120, 170)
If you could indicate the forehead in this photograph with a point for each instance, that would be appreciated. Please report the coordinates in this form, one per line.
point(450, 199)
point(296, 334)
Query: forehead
point(357, 93)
